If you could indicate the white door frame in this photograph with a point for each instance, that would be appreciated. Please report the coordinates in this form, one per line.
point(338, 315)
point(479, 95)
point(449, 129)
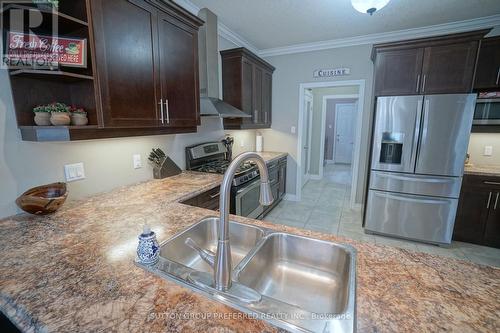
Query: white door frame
point(308, 94)
point(323, 130)
point(359, 121)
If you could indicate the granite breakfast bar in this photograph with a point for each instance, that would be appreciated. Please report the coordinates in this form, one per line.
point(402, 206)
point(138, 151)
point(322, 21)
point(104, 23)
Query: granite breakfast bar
point(74, 271)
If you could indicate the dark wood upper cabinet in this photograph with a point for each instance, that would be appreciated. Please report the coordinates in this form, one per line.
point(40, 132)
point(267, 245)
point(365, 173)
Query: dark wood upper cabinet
point(247, 85)
point(398, 72)
point(488, 66)
point(437, 65)
point(178, 44)
point(127, 62)
point(449, 68)
point(478, 214)
point(141, 78)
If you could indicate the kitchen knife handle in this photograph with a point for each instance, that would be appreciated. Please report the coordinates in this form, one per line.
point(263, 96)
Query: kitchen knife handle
point(489, 201)
point(161, 111)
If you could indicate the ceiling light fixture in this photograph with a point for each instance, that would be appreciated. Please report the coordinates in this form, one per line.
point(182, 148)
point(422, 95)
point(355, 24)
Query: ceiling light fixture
point(369, 6)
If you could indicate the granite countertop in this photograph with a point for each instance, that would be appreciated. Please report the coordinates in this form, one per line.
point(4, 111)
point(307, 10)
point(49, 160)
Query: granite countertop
point(270, 156)
point(482, 170)
point(74, 271)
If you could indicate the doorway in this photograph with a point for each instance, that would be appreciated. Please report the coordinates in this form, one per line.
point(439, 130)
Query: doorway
point(337, 159)
point(307, 130)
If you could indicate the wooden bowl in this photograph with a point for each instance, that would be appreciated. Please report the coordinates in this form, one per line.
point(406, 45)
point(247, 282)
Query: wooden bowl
point(43, 200)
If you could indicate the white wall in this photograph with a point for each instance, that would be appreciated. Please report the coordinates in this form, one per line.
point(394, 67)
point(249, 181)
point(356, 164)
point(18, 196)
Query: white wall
point(476, 148)
point(108, 163)
point(293, 69)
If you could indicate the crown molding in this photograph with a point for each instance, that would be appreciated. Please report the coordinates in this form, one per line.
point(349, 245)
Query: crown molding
point(234, 38)
point(223, 30)
point(393, 36)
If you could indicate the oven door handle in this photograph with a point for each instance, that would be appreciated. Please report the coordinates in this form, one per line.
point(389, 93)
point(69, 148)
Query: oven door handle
point(248, 188)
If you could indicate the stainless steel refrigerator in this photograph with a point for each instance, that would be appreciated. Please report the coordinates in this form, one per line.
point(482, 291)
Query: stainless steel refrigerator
point(419, 148)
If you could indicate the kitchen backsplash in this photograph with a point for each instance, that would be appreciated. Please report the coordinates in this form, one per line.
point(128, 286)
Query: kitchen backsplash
point(477, 144)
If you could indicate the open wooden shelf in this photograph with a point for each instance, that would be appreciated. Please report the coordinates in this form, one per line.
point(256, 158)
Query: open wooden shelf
point(65, 22)
point(48, 74)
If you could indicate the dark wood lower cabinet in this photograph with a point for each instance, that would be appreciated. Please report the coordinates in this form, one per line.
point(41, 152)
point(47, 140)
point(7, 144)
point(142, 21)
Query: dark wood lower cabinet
point(478, 215)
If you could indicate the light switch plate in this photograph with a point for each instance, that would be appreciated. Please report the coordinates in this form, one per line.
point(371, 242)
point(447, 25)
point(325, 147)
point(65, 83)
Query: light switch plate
point(242, 143)
point(488, 150)
point(74, 172)
point(137, 161)
point(293, 130)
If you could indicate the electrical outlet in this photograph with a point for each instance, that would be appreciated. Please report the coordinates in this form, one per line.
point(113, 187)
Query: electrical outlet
point(293, 130)
point(242, 143)
point(74, 172)
point(137, 161)
point(488, 150)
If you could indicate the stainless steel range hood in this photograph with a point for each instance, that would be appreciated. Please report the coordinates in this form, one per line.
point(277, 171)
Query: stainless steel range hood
point(208, 51)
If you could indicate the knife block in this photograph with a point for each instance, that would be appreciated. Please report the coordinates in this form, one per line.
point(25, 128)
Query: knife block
point(167, 168)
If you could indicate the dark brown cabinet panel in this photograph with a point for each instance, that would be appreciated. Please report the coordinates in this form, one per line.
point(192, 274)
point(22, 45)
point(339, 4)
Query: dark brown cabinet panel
point(398, 72)
point(178, 45)
point(148, 70)
point(247, 85)
point(478, 214)
point(126, 62)
point(449, 68)
point(436, 65)
point(488, 66)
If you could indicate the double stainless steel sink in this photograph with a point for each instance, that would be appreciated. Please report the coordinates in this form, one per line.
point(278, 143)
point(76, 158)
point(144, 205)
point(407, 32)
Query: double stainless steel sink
point(302, 284)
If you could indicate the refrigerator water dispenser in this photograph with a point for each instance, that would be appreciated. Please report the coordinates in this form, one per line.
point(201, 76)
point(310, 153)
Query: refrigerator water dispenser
point(391, 149)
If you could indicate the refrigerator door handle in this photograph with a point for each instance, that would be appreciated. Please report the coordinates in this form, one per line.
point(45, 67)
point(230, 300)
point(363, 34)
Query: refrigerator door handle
point(421, 130)
point(414, 145)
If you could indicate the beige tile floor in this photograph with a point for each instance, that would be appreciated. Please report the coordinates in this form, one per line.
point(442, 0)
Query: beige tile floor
point(325, 208)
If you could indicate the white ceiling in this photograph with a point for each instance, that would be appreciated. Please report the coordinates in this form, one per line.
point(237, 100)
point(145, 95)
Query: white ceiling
point(276, 23)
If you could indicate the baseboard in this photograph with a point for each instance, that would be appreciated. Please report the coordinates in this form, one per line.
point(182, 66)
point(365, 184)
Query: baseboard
point(315, 177)
point(290, 197)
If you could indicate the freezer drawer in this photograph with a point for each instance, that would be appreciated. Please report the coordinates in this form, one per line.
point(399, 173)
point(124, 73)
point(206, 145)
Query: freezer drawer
point(416, 184)
point(426, 219)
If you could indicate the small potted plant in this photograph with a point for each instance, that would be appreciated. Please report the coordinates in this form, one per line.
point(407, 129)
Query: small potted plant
point(47, 4)
point(42, 115)
point(78, 116)
point(60, 115)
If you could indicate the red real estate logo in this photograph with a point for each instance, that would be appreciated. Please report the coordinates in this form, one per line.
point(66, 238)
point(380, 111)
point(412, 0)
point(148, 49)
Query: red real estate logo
point(38, 50)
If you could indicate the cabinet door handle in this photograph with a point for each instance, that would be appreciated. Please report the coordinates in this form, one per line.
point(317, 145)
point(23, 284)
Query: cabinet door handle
point(491, 183)
point(161, 111)
point(168, 114)
point(423, 83)
point(498, 75)
point(418, 83)
point(489, 201)
point(213, 196)
point(496, 201)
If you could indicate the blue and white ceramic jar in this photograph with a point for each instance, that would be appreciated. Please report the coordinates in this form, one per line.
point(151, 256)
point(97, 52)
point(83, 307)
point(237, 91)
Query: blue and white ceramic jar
point(148, 250)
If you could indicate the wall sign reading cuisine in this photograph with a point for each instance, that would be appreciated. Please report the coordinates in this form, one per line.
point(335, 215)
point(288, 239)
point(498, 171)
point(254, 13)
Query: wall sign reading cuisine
point(45, 51)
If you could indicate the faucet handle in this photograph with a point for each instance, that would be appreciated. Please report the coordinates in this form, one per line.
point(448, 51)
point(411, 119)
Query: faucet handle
point(206, 255)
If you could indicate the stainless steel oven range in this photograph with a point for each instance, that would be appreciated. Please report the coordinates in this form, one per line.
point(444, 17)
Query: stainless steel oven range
point(211, 157)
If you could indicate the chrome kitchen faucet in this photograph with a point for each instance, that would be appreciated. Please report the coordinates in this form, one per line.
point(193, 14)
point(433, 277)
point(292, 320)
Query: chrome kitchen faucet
point(221, 261)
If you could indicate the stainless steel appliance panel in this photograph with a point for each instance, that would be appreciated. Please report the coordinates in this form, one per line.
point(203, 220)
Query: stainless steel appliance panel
point(416, 184)
point(396, 133)
point(444, 137)
point(427, 219)
point(487, 111)
point(247, 200)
